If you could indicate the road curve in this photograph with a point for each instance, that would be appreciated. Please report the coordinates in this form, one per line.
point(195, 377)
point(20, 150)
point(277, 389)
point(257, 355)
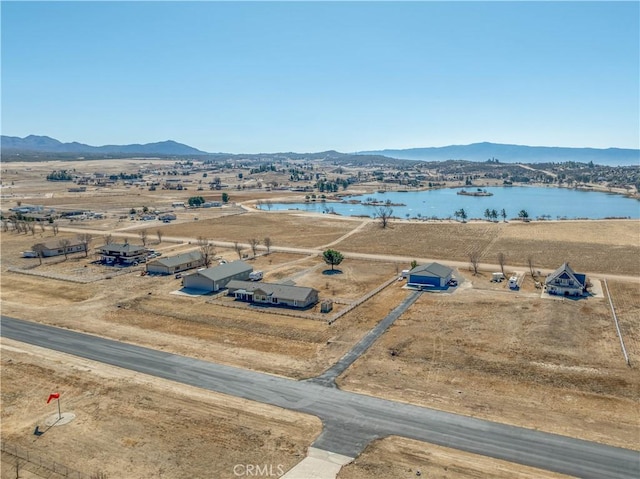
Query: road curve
point(350, 420)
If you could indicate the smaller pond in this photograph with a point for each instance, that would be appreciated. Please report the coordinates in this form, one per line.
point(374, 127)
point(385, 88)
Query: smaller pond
point(549, 202)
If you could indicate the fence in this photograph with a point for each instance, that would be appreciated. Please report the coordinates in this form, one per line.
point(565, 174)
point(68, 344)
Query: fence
point(34, 459)
point(615, 318)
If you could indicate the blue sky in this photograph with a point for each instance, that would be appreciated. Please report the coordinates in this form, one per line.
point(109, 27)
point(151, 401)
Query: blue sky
point(310, 76)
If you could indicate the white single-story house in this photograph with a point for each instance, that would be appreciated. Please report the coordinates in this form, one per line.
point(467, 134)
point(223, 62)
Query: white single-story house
point(55, 248)
point(433, 275)
point(122, 253)
point(177, 263)
point(216, 278)
point(566, 282)
point(271, 293)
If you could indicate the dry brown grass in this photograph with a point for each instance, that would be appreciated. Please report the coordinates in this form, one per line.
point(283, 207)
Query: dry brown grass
point(548, 364)
point(400, 458)
point(283, 229)
point(128, 426)
point(590, 246)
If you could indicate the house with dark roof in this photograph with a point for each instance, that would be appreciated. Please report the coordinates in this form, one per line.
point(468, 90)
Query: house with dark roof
point(566, 282)
point(122, 253)
point(430, 275)
point(56, 248)
point(175, 264)
point(216, 278)
point(272, 293)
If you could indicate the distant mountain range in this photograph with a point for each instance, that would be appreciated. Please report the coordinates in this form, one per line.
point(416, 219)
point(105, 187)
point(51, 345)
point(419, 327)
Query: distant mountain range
point(45, 144)
point(14, 148)
point(515, 154)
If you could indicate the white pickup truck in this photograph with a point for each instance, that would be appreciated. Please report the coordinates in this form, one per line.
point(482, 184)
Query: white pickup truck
point(255, 275)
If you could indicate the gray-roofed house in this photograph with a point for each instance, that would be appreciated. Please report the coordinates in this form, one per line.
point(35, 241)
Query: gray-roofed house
point(177, 263)
point(55, 247)
point(566, 282)
point(433, 275)
point(271, 293)
point(216, 278)
point(122, 253)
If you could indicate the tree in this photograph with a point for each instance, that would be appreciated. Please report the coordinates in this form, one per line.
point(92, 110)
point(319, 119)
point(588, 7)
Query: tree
point(39, 249)
point(503, 213)
point(64, 244)
point(85, 239)
point(523, 215)
point(461, 213)
point(206, 250)
point(238, 249)
point(501, 261)
point(383, 213)
point(332, 257)
point(108, 238)
point(268, 204)
point(196, 201)
point(474, 259)
point(531, 266)
point(487, 214)
point(253, 242)
point(225, 197)
point(267, 244)
point(414, 263)
point(143, 237)
point(494, 215)
point(159, 234)
point(55, 227)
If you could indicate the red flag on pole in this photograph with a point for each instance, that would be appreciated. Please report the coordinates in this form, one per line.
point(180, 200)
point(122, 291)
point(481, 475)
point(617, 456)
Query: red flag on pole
point(53, 396)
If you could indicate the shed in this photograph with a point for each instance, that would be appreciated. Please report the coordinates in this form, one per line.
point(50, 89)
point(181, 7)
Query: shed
point(177, 263)
point(434, 275)
point(216, 278)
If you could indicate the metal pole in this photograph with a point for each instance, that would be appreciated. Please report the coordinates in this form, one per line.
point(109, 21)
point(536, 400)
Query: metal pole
point(59, 415)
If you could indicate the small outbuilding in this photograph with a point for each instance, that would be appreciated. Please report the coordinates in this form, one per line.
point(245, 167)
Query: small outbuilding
point(177, 263)
point(431, 275)
point(272, 293)
point(217, 278)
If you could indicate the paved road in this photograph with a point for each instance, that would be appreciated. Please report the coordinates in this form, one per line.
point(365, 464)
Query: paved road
point(328, 378)
point(350, 420)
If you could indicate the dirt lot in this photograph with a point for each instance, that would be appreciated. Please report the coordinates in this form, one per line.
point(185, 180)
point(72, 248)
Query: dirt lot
point(133, 426)
point(590, 246)
point(400, 458)
point(549, 364)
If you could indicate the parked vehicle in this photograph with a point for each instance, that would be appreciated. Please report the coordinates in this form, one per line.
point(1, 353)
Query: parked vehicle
point(255, 275)
point(29, 254)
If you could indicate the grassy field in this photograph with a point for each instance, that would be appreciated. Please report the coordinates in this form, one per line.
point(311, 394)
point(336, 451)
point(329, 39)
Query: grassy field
point(603, 246)
point(128, 426)
point(401, 458)
point(548, 364)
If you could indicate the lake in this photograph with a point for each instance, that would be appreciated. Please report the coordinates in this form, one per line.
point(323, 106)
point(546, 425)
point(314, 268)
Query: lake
point(555, 203)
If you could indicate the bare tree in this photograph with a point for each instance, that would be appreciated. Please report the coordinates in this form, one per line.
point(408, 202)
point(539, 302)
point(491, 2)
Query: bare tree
point(85, 239)
point(39, 249)
point(108, 238)
point(253, 242)
point(267, 244)
point(55, 227)
point(207, 251)
point(531, 266)
point(474, 259)
point(159, 234)
point(41, 227)
point(143, 237)
point(238, 248)
point(501, 260)
point(64, 244)
point(268, 204)
point(383, 213)
point(32, 228)
point(5, 225)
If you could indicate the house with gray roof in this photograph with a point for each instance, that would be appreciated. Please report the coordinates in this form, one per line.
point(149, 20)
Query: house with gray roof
point(122, 253)
point(566, 282)
point(430, 275)
point(272, 293)
point(176, 264)
point(56, 248)
point(216, 278)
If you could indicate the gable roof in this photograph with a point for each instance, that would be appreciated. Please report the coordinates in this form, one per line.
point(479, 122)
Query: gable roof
point(283, 291)
point(177, 260)
point(225, 270)
point(566, 272)
point(55, 244)
point(432, 269)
